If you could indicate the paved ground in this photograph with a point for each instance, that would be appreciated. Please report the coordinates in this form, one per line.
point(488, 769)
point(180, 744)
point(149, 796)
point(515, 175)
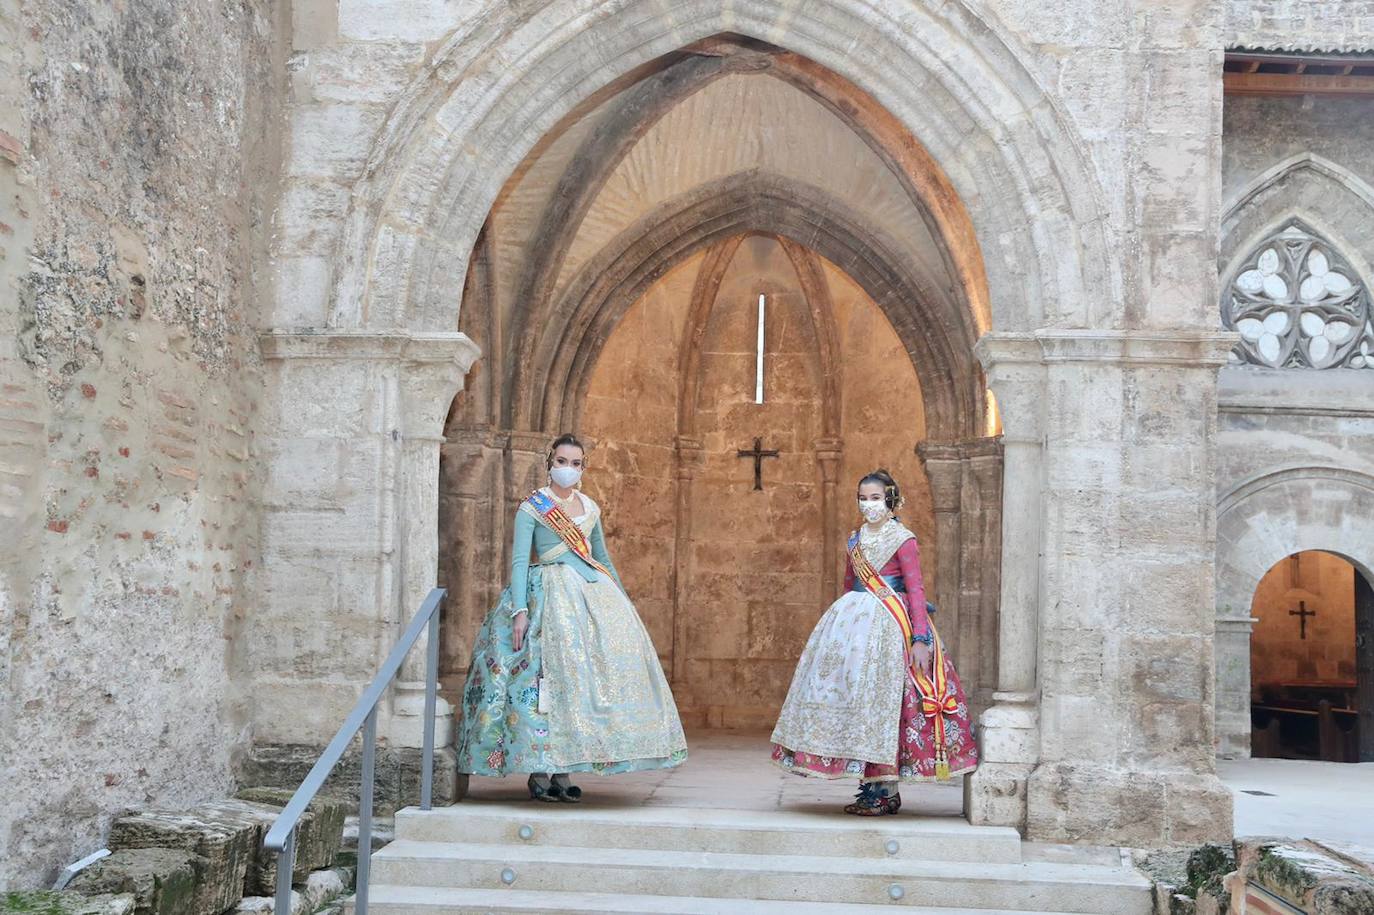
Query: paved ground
point(1300, 799)
point(732, 770)
point(727, 769)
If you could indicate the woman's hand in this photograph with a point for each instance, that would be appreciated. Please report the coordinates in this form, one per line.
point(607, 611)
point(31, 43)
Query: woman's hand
point(518, 629)
point(921, 653)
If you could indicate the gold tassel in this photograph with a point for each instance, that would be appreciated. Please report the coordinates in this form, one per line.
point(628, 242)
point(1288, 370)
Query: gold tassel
point(942, 770)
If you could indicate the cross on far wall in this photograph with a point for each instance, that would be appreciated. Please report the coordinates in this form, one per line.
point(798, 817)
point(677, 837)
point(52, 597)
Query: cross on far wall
point(1302, 613)
point(758, 454)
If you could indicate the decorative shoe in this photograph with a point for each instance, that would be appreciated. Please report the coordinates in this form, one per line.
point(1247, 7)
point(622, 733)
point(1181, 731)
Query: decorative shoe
point(571, 794)
point(873, 800)
point(546, 791)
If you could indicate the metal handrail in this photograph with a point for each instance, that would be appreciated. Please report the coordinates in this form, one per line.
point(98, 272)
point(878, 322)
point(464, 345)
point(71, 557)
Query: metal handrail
point(281, 838)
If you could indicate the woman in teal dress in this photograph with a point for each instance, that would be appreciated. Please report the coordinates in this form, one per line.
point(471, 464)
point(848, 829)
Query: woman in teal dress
point(564, 677)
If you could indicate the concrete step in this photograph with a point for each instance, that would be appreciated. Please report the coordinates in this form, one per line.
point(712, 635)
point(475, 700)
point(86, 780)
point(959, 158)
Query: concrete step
point(1029, 887)
point(386, 899)
point(706, 829)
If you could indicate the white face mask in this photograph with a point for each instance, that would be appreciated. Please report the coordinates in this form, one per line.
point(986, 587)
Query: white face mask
point(873, 511)
point(566, 477)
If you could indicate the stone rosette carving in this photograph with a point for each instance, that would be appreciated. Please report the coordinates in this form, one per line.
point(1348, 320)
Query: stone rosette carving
point(1298, 303)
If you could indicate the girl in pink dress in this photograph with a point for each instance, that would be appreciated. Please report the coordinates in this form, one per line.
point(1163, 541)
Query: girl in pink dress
point(875, 696)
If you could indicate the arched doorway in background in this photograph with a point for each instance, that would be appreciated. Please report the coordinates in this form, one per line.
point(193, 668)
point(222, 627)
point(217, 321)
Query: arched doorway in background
point(1310, 660)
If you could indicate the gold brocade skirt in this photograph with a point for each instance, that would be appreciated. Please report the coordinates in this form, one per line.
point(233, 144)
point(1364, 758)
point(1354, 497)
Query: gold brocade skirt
point(606, 697)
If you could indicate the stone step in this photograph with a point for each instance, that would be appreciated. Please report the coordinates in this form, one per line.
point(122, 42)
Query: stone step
point(1031, 887)
point(386, 899)
point(706, 829)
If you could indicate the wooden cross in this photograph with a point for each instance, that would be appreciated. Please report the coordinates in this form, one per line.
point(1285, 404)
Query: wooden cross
point(1302, 613)
point(758, 454)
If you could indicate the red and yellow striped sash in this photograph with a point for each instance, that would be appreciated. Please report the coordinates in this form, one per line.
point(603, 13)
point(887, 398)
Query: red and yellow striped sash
point(567, 530)
point(938, 701)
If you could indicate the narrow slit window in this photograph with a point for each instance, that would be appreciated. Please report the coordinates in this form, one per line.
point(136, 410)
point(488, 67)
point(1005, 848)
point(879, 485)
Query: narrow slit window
point(758, 356)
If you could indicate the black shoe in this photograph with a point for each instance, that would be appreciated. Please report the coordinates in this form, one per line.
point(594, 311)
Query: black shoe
point(571, 793)
point(549, 793)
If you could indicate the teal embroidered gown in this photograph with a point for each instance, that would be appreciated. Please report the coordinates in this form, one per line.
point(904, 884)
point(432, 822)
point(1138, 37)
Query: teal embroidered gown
point(606, 708)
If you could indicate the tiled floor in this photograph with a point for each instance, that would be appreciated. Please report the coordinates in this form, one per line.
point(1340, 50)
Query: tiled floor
point(731, 770)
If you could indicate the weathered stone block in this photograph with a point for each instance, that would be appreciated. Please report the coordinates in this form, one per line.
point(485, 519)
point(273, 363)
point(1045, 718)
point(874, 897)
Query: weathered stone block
point(1309, 876)
point(47, 902)
point(397, 783)
point(162, 880)
point(319, 832)
point(226, 844)
point(261, 874)
point(312, 895)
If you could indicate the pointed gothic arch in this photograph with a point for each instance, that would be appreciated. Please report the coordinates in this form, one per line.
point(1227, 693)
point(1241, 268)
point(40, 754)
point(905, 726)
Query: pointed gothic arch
point(567, 338)
point(946, 77)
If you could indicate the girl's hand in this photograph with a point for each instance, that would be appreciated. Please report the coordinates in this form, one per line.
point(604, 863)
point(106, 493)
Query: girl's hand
point(519, 627)
point(922, 654)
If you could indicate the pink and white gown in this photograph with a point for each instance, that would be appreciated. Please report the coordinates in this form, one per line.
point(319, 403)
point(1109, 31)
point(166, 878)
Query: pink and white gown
point(853, 709)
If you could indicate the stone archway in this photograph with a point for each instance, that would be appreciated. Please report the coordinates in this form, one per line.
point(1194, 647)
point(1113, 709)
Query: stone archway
point(556, 335)
point(1015, 202)
point(1259, 523)
point(464, 128)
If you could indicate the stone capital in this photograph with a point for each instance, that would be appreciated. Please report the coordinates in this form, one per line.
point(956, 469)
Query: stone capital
point(829, 452)
point(429, 367)
point(433, 368)
point(1015, 368)
point(944, 466)
point(985, 464)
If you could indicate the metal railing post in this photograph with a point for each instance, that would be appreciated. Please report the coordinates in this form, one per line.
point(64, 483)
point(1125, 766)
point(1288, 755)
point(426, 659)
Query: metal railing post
point(431, 691)
point(281, 837)
point(365, 812)
point(286, 866)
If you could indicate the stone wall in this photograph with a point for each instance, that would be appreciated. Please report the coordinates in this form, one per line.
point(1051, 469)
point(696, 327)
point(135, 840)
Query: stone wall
point(1300, 25)
point(138, 177)
point(754, 580)
point(1294, 445)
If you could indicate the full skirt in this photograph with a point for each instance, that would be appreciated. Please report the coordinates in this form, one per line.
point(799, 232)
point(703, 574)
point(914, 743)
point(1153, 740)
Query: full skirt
point(607, 705)
point(853, 710)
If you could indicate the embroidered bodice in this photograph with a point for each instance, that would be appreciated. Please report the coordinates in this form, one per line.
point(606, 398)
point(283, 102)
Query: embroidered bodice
point(894, 552)
point(533, 537)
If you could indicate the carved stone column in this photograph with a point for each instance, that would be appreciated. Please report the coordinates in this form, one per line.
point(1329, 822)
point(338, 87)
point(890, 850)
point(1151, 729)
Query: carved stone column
point(690, 458)
point(353, 424)
point(430, 371)
point(1127, 608)
point(1232, 649)
point(996, 793)
point(829, 453)
point(945, 471)
point(982, 511)
point(472, 511)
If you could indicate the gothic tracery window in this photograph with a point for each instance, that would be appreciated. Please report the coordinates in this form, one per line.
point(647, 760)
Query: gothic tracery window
point(1298, 303)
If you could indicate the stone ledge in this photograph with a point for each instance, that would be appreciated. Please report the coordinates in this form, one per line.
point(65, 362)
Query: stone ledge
point(285, 343)
point(1183, 348)
point(226, 843)
point(319, 834)
point(1309, 875)
point(1302, 392)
